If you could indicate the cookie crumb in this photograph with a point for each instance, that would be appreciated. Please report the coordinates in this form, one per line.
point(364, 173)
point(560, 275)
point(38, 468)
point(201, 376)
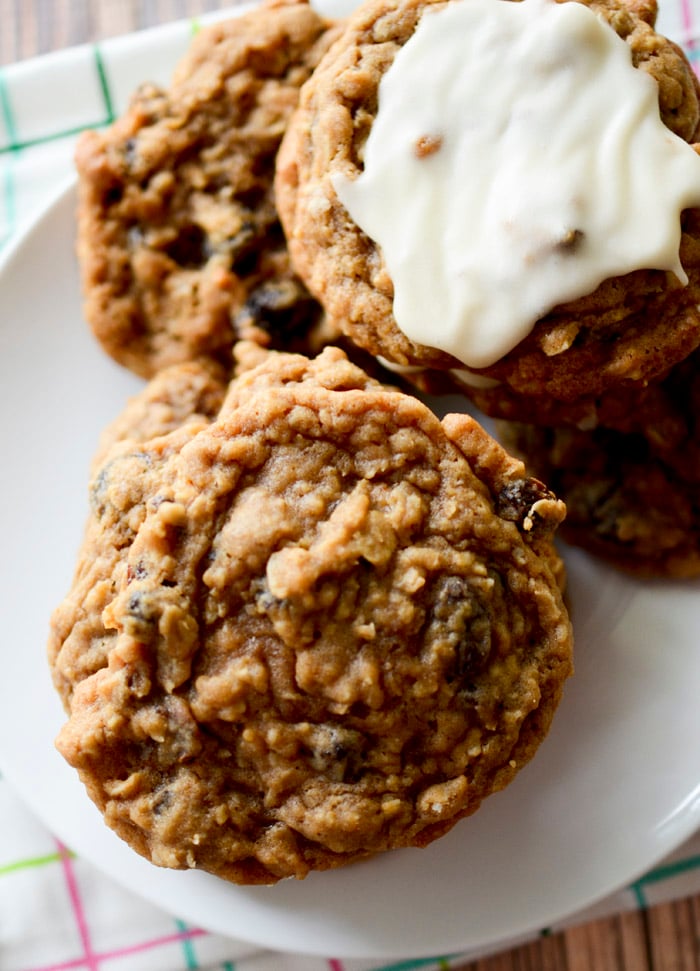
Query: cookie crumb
point(571, 240)
point(427, 145)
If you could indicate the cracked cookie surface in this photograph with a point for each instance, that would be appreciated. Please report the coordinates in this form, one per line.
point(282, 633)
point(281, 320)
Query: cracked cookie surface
point(339, 627)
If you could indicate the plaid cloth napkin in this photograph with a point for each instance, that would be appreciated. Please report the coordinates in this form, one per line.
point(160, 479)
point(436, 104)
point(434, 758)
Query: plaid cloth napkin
point(57, 911)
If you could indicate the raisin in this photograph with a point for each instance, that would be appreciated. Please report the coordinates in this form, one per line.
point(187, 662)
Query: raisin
point(190, 248)
point(282, 309)
point(515, 500)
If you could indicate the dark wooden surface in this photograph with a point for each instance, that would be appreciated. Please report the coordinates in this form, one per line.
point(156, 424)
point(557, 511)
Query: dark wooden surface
point(662, 938)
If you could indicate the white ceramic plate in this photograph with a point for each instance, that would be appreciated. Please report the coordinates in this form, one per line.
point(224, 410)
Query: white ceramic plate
point(614, 787)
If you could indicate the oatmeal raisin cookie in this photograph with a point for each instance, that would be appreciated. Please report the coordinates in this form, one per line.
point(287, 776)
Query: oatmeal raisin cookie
point(179, 244)
point(336, 627)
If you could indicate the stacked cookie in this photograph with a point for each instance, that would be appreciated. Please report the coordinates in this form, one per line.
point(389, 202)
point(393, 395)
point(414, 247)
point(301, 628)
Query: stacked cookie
point(598, 390)
point(309, 622)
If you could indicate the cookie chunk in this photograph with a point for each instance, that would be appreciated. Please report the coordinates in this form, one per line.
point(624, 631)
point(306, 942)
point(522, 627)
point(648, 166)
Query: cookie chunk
point(337, 628)
point(179, 244)
point(630, 328)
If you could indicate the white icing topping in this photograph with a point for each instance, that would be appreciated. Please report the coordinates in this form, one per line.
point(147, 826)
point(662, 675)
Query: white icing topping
point(473, 380)
point(406, 369)
point(517, 160)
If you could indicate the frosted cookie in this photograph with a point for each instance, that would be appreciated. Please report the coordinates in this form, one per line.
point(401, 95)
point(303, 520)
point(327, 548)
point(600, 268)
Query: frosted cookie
point(338, 629)
point(487, 248)
point(179, 244)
